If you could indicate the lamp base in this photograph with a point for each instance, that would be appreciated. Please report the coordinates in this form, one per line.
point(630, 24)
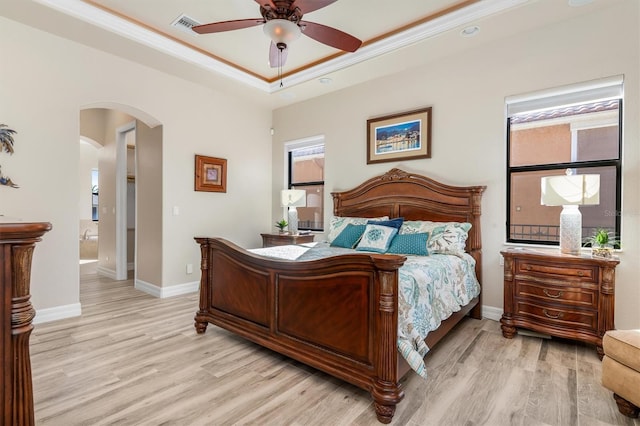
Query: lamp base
point(293, 221)
point(570, 230)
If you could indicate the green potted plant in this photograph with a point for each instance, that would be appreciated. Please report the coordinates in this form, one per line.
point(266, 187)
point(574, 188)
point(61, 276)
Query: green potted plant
point(281, 225)
point(602, 243)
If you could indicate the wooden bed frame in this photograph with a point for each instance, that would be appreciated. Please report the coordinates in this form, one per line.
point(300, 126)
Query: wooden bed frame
point(337, 314)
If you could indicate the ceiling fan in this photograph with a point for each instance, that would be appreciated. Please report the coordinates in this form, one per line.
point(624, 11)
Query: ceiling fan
point(282, 20)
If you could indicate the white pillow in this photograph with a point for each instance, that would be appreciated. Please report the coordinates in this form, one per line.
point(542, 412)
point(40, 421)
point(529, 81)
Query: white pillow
point(338, 223)
point(376, 238)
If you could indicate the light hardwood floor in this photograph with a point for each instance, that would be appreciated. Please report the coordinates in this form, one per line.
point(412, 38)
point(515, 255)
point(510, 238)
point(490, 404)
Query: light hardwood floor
point(132, 359)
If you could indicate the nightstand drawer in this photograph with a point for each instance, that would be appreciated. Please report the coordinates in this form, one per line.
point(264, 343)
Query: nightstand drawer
point(569, 296)
point(569, 318)
point(582, 273)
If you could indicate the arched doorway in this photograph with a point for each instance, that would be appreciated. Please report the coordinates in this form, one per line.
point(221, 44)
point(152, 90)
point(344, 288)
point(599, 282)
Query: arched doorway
point(121, 130)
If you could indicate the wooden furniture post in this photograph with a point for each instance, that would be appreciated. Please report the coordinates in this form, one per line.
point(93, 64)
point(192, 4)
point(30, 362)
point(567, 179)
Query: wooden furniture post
point(199, 323)
point(17, 242)
point(387, 392)
point(475, 243)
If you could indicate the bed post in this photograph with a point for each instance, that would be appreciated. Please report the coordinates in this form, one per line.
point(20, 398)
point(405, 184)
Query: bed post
point(476, 243)
point(387, 392)
point(200, 322)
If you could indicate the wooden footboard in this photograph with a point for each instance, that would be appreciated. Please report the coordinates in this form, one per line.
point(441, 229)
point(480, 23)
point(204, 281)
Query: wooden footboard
point(338, 314)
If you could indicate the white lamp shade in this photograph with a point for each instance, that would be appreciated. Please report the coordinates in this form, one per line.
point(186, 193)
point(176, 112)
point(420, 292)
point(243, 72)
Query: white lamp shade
point(281, 30)
point(570, 190)
point(293, 198)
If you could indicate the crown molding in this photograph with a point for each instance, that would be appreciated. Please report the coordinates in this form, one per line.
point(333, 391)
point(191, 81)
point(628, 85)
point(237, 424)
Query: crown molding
point(130, 30)
point(155, 40)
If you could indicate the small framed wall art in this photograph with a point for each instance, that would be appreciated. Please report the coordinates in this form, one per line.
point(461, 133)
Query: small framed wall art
point(211, 174)
point(396, 137)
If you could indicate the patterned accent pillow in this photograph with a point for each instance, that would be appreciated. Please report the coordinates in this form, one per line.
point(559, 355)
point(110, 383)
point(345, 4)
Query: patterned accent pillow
point(444, 237)
point(376, 238)
point(415, 244)
point(349, 236)
point(338, 223)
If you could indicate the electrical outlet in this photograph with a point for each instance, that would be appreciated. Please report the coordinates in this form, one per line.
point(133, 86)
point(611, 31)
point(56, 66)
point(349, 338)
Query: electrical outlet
point(189, 268)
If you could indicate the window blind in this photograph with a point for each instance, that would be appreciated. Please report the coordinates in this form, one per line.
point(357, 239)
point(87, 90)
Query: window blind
point(591, 91)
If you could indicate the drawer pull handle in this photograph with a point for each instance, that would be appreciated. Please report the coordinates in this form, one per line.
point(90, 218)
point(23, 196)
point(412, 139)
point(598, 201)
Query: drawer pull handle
point(580, 273)
point(559, 315)
point(554, 296)
point(528, 267)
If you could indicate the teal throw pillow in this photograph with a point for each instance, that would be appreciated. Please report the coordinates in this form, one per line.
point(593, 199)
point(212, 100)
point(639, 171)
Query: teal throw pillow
point(376, 238)
point(349, 236)
point(415, 244)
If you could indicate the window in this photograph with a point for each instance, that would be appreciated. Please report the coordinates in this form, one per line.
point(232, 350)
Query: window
point(306, 171)
point(576, 129)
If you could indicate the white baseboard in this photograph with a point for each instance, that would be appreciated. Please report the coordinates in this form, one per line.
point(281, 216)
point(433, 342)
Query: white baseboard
point(57, 313)
point(110, 273)
point(106, 272)
point(162, 292)
point(492, 313)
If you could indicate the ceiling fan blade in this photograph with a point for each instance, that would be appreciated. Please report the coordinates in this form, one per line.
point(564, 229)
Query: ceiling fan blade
point(277, 58)
point(307, 6)
point(218, 27)
point(265, 3)
point(330, 36)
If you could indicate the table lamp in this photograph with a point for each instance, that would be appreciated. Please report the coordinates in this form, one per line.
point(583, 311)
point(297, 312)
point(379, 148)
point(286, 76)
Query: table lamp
point(293, 198)
point(570, 191)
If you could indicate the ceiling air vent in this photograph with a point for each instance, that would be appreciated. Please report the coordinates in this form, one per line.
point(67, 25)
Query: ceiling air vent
point(185, 23)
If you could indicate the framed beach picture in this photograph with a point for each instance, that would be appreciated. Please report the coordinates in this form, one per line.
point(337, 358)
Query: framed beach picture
point(211, 174)
point(397, 137)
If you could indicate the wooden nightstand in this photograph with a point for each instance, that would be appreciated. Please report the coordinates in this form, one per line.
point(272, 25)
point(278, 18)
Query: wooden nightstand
point(561, 295)
point(269, 240)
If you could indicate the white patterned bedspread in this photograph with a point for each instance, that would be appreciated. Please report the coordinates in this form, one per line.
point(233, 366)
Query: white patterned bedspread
point(430, 289)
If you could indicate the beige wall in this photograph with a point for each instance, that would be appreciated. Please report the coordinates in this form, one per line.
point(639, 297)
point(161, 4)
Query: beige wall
point(46, 84)
point(467, 92)
point(92, 122)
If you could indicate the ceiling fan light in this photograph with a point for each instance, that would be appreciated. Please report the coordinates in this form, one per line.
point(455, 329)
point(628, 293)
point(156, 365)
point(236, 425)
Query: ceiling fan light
point(281, 30)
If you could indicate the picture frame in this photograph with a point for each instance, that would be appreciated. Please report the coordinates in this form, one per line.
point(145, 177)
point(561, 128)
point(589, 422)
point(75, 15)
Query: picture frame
point(397, 137)
point(210, 174)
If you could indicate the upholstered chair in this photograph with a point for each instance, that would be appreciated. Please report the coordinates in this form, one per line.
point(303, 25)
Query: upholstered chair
point(621, 369)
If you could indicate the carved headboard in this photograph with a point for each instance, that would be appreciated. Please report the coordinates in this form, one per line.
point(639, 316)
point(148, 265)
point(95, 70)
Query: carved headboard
point(415, 197)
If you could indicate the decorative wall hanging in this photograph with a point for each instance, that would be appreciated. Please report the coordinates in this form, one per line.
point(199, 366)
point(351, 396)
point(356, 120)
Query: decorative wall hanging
point(6, 145)
point(403, 136)
point(211, 174)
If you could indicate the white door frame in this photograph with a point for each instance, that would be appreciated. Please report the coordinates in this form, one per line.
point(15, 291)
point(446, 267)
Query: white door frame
point(121, 199)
